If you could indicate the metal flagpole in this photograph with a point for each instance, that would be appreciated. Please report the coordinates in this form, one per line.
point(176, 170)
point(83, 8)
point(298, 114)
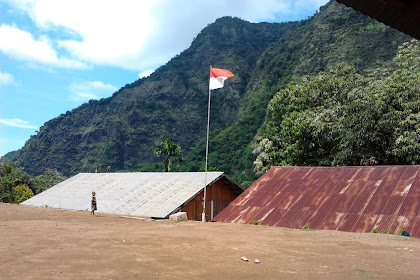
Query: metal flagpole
point(203, 215)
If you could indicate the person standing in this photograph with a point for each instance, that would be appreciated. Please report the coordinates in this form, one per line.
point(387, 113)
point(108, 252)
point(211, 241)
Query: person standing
point(93, 203)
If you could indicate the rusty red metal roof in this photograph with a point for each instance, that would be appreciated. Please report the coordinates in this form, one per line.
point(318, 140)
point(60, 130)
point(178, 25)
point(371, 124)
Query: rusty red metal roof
point(350, 198)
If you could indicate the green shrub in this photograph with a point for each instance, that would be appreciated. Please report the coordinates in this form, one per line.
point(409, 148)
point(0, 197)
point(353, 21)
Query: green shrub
point(21, 193)
point(385, 231)
point(306, 227)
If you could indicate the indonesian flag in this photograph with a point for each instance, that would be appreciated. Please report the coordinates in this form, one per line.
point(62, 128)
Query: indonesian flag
point(218, 77)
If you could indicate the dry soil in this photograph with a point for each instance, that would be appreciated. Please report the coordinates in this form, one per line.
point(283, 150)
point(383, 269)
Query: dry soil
point(45, 243)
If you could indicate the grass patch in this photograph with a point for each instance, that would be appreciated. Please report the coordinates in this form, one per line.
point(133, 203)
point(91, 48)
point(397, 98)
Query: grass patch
point(364, 273)
point(307, 227)
point(387, 231)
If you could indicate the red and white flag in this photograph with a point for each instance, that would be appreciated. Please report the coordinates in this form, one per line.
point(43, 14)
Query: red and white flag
point(218, 77)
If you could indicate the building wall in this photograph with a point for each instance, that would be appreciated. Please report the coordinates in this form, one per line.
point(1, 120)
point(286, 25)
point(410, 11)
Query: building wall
point(221, 196)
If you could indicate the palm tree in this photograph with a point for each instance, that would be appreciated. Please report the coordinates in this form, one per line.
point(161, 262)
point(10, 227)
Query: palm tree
point(170, 150)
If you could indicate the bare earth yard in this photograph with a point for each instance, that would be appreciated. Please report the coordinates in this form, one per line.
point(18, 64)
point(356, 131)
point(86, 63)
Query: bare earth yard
point(45, 243)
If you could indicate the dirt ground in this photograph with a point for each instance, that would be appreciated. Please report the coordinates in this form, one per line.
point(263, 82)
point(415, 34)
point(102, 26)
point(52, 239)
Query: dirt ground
point(45, 243)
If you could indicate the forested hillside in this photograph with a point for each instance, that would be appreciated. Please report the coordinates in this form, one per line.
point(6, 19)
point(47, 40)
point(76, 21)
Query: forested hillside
point(122, 131)
point(343, 118)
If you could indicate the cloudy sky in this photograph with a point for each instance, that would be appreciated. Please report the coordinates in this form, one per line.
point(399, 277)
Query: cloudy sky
point(58, 54)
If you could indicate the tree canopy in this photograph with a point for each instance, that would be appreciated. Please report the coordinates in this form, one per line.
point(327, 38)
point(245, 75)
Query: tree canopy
point(16, 185)
point(343, 118)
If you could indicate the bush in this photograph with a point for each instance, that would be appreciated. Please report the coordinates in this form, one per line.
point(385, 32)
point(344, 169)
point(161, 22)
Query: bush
point(21, 193)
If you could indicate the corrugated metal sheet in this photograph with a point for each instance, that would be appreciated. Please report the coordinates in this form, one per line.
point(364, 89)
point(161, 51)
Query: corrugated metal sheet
point(355, 199)
point(150, 194)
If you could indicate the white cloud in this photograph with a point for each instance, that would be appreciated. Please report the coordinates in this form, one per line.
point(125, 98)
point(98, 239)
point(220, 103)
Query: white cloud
point(88, 90)
point(17, 123)
point(145, 73)
point(141, 35)
point(99, 85)
point(82, 96)
point(6, 79)
point(112, 32)
point(21, 45)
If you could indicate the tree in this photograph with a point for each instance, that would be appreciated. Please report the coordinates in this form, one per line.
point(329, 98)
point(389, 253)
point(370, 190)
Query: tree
point(12, 176)
point(342, 118)
point(404, 92)
point(169, 150)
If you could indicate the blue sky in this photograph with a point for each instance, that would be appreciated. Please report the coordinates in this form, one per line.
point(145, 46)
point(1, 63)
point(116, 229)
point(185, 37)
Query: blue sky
point(58, 54)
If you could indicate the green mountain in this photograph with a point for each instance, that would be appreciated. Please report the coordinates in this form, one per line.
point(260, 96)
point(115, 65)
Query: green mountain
point(123, 130)
point(13, 155)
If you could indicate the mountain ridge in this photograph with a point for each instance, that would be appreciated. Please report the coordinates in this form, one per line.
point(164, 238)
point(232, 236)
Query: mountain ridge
point(123, 130)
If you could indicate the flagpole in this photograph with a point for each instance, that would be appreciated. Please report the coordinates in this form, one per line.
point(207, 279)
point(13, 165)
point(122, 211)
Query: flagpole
point(203, 215)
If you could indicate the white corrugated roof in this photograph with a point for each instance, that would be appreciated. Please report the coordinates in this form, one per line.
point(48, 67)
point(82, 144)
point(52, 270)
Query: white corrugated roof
point(150, 194)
